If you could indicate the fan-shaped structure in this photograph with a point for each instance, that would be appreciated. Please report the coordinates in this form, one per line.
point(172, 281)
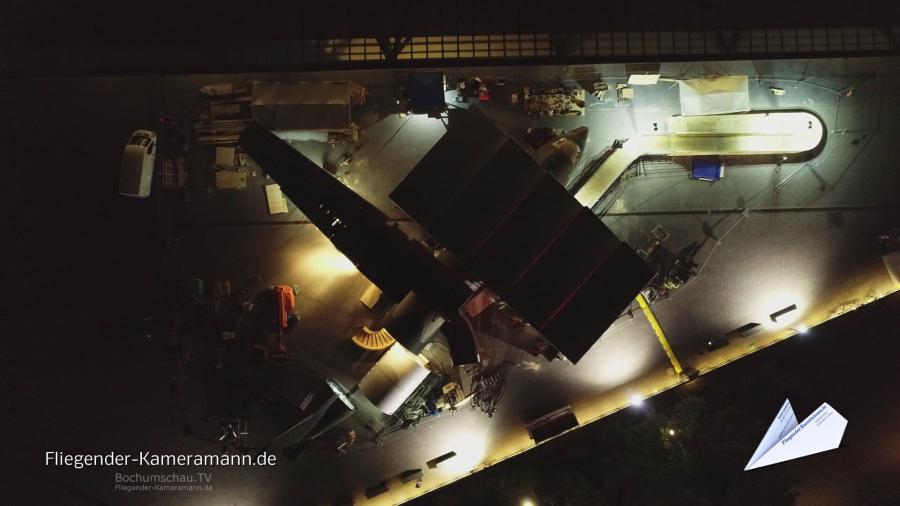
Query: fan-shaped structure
point(368, 339)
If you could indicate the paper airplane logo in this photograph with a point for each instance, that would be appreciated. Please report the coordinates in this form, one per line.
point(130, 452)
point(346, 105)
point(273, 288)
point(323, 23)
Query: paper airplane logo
point(787, 440)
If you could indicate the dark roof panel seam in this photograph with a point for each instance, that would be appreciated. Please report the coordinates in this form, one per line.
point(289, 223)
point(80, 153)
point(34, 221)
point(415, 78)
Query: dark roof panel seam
point(573, 294)
point(499, 225)
point(543, 251)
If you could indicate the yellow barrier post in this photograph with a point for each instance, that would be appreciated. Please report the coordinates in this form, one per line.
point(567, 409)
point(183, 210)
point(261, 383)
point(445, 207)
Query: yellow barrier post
point(657, 329)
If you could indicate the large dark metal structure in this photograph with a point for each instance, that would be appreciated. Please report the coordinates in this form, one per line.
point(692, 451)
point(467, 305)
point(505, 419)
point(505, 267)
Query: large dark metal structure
point(517, 229)
point(405, 271)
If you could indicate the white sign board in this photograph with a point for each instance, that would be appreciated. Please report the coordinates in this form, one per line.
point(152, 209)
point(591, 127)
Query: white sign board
point(642, 79)
point(275, 199)
point(787, 440)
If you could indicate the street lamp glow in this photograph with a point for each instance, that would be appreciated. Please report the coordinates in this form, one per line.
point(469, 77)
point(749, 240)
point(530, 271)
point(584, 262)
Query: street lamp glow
point(635, 400)
point(469, 447)
point(527, 502)
point(802, 329)
point(671, 432)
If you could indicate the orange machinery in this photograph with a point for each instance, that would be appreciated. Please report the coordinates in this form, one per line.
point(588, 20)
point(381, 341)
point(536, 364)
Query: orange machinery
point(284, 307)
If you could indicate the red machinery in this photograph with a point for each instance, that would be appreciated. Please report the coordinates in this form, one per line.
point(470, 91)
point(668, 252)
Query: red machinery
point(283, 298)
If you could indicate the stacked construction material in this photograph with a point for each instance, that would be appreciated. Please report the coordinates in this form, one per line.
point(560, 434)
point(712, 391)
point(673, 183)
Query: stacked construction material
point(224, 114)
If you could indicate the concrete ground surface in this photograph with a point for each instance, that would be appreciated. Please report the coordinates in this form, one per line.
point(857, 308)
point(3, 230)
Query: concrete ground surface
point(772, 234)
point(808, 370)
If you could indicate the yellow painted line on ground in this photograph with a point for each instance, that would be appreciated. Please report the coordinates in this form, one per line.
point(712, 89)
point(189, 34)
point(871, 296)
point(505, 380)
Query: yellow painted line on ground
point(657, 329)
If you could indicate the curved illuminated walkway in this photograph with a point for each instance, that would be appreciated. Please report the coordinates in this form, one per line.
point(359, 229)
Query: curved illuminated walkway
point(755, 133)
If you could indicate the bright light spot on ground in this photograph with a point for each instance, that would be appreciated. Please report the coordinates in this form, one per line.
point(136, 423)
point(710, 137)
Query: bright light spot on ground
point(527, 502)
point(620, 360)
point(635, 400)
point(778, 299)
point(470, 448)
point(802, 329)
point(327, 260)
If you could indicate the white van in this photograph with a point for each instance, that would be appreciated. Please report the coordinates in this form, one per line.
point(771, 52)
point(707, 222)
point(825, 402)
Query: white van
point(137, 164)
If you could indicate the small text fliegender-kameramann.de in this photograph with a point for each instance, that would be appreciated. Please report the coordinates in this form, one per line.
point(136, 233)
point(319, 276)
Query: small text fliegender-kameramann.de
point(82, 460)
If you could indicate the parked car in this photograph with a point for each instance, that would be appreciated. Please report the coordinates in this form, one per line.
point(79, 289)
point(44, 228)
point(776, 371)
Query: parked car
point(138, 162)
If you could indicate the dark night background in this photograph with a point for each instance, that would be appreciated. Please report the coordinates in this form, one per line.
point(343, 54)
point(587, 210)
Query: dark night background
point(258, 20)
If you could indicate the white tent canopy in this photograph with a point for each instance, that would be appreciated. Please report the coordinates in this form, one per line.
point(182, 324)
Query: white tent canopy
point(393, 378)
point(714, 95)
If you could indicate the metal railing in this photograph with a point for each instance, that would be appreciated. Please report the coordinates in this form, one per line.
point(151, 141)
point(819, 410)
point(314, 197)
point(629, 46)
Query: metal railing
point(24, 59)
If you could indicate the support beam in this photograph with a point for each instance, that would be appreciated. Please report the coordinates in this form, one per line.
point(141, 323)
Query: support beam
point(559, 41)
point(565, 45)
point(391, 47)
point(657, 329)
point(727, 40)
point(889, 34)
